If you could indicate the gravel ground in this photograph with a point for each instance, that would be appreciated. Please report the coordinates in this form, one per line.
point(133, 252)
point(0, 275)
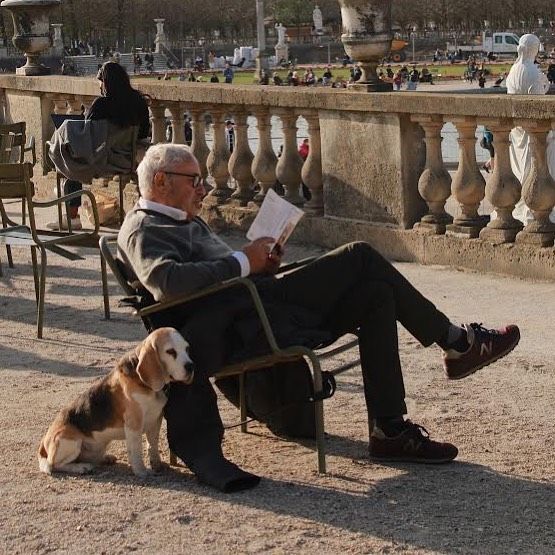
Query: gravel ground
point(497, 498)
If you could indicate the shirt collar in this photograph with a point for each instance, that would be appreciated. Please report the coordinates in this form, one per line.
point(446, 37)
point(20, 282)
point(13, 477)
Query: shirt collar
point(174, 213)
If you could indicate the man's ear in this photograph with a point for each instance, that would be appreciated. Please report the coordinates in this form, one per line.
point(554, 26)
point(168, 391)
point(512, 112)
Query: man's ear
point(150, 368)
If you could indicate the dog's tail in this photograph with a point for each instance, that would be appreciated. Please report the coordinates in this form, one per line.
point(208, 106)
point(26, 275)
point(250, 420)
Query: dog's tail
point(44, 464)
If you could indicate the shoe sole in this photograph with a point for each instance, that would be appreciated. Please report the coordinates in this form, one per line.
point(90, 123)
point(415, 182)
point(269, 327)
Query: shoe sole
point(491, 361)
point(409, 460)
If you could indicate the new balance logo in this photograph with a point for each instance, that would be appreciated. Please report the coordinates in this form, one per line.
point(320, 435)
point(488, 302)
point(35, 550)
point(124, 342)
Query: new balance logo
point(486, 349)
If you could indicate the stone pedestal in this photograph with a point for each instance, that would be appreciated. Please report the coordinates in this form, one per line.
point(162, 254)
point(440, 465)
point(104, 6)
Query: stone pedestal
point(282, 52)
point(383, 187)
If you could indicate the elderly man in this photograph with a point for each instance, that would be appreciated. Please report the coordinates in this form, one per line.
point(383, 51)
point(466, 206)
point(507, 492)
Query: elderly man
point(169, 250)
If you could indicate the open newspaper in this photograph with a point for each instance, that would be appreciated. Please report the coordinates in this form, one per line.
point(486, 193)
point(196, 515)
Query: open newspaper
point(276, 218)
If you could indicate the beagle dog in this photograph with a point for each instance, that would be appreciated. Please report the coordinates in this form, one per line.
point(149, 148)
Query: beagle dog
point(125, 404)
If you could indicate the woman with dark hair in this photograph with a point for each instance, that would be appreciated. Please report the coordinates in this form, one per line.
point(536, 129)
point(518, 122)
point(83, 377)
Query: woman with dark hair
point(122, 105)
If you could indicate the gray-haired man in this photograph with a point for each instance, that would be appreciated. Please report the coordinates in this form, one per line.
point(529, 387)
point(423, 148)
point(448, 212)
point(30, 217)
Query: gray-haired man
point(169, 250)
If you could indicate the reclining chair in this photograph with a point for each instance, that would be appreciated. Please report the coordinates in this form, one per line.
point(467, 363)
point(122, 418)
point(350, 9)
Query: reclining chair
point(323, 384)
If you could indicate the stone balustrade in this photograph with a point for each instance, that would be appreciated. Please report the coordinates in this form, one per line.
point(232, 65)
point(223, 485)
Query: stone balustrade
point(375, 163)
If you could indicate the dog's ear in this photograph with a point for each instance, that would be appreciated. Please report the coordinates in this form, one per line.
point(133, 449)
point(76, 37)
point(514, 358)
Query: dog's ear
point(150, 368)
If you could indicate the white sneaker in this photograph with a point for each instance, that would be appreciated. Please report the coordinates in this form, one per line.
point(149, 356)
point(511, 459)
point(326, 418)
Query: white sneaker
point(75, 224)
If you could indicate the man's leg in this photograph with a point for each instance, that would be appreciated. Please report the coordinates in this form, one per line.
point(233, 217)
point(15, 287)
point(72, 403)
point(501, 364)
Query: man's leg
point(324, 283)
point(195, 434)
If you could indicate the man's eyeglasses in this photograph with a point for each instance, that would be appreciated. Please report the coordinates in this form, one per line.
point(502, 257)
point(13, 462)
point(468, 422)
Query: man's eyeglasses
point(197, 179)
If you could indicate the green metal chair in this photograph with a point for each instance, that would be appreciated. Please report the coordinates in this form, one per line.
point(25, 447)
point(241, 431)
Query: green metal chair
point(274, 356)
point(15, 183)
point(13, 147)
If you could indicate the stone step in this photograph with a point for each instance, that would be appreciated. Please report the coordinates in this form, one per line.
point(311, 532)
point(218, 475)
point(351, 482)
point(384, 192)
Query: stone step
point(88, 64)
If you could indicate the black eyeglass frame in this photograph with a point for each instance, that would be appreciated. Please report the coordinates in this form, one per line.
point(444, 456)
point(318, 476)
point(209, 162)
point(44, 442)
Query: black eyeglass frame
point(197, 178)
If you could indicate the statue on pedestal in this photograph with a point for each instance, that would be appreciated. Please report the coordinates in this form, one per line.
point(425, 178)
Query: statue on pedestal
point(318, 20)
point(526, 78)
point(280, 29)
point(281, 48)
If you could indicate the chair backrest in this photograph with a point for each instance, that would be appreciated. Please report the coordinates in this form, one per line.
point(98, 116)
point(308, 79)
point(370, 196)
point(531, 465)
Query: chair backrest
point(113, 263)
point(15, 132)
point(15, 181)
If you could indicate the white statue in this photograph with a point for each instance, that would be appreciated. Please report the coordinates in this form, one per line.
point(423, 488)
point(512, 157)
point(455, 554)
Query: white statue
point(281, 33)
point(317, 18)
point(526, 78)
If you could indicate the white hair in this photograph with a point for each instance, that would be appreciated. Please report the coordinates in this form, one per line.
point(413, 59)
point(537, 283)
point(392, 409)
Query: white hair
point(160, 157)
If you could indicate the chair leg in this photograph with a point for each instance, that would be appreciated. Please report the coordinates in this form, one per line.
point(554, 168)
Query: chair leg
point(105, 293)
point(9, 254)
point(59, 194)
point(23, 211)
point(319, 415)
point(35, 273)
point(122, 183)
point(42, 288)
point(1, 272)
point(243, 402)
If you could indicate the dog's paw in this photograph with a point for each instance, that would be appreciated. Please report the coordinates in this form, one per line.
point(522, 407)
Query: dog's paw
point(82, 468)
point(142, 472)
point(159, 466)
point(109, 459)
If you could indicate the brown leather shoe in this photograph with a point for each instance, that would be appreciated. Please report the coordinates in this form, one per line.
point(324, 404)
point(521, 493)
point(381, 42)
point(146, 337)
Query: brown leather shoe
point(486, 346)
point(412, 445)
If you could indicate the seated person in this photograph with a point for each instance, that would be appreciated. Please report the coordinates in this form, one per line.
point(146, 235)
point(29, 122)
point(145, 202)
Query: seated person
point(122, 105)
point(164, 246)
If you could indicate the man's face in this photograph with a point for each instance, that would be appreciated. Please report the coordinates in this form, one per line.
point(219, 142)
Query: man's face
point(175, 187)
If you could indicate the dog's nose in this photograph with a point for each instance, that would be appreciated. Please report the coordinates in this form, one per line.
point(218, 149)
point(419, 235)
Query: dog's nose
point(190, 367)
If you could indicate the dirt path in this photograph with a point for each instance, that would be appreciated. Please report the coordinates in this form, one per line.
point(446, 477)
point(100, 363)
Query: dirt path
point(498, 497)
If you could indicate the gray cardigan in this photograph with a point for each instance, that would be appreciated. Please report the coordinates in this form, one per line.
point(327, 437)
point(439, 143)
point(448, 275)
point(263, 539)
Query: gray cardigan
point(170, 257)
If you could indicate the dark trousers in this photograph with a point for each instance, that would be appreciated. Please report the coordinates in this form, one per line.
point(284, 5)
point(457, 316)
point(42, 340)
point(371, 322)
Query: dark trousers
point(71, 186)
point(353, 288)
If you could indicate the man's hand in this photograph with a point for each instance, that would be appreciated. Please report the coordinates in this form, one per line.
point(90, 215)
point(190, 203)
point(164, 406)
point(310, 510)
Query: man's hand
point(261, 259)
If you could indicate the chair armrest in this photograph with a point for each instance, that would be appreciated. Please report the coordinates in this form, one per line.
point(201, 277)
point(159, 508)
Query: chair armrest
point(65, 198)
point(261, 312)
point(296, 264)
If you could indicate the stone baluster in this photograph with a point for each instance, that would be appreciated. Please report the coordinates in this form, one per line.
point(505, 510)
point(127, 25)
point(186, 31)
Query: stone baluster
point(434, 184)
point(311, 171)
point(217, 162)
point(289, 166)
point(468, 185)
point(502, 187)
point(240, 161)
point(59, 105)
point(177, 112)
point(199, 147)
point(158, 122)
point(265, 159)
point(87, 102)
point(538, 189)
point(75, 105)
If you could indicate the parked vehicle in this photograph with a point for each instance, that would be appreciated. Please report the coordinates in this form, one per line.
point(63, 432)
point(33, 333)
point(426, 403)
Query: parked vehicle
point(496, 43)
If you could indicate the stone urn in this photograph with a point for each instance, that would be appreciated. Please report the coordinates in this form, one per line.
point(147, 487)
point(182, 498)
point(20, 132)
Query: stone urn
point(367, 38)
point(31, 31)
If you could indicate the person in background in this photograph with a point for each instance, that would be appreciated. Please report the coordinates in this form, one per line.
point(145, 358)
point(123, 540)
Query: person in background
point(228, 74)
point(230, 134)
point(278, 81)
point(122, 105)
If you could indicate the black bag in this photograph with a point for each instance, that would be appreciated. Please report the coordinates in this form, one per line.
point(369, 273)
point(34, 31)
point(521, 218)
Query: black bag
point(279, 397)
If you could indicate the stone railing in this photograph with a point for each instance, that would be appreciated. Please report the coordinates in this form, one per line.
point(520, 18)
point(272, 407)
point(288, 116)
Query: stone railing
point(375, 168)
